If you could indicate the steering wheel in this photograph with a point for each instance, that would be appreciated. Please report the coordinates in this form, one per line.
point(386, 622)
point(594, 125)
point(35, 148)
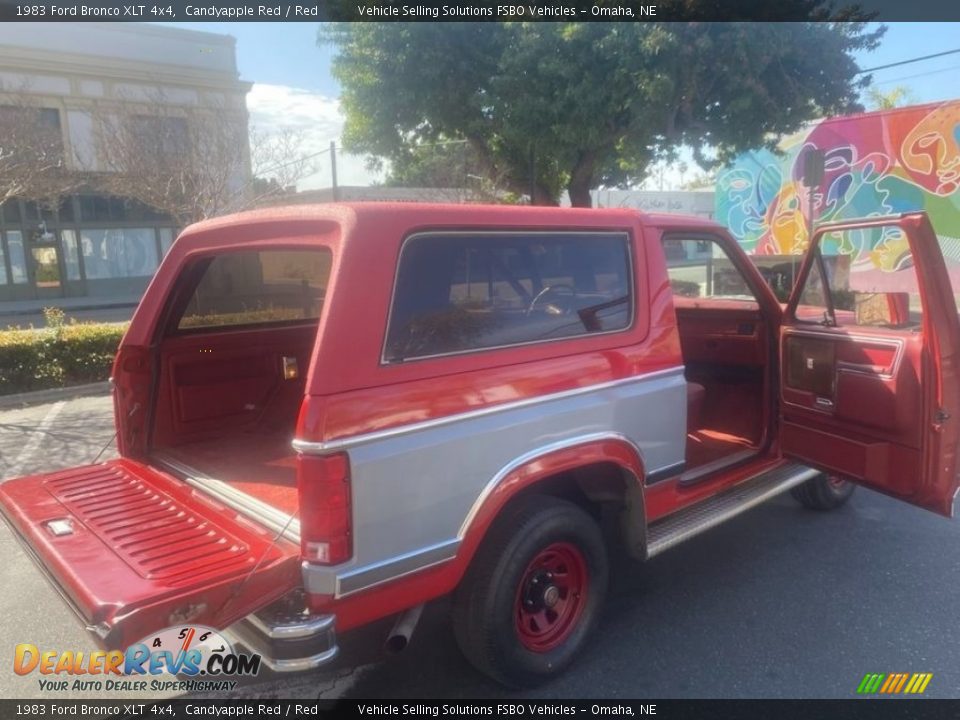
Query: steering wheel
point(564, 292)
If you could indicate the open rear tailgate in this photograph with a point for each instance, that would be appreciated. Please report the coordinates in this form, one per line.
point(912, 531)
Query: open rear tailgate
point(134, 550)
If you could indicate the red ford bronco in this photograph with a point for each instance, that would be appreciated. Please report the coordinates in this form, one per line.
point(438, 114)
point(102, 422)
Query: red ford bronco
point(329, 415)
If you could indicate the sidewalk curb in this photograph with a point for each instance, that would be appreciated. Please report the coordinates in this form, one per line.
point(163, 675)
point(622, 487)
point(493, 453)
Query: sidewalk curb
point(39, 397)
point(13, 312)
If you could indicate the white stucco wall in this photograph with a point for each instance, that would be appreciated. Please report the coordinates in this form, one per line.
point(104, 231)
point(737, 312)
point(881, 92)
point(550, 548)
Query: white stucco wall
point(75, 67)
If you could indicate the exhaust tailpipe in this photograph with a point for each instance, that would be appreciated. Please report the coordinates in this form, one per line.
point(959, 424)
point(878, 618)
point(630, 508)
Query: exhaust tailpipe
point(399, 637)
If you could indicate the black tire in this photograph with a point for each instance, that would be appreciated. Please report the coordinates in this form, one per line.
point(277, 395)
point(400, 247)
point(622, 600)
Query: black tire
point(505, 580)
point(824, 492)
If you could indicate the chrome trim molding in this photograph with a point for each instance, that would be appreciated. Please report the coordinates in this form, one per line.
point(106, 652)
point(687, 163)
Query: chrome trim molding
point(896, 343)
point(319, 624)
point(533, 455)
point(300, 664)
point(309, 447)
point(266, 515)
point(309, 662)
point(856, 223)
point(363, 578)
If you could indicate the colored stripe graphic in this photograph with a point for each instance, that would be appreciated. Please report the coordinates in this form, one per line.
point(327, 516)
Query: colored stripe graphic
point(870, 683)
point(894, 683)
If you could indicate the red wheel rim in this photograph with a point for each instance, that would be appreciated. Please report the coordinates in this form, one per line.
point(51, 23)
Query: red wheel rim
point(551, 597)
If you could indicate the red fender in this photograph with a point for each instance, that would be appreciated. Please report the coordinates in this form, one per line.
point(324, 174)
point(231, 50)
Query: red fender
point(428, 584)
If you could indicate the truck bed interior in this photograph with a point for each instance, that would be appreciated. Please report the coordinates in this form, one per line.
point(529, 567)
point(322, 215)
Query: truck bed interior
point(725, 350)
point(227, 405)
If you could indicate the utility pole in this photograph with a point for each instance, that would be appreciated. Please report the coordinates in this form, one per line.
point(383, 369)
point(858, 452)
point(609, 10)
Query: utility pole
point(533, 174)
point(333, 169)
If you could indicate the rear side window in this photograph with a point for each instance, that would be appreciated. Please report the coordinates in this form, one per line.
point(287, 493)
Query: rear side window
point(469, 291)
point(258, 287)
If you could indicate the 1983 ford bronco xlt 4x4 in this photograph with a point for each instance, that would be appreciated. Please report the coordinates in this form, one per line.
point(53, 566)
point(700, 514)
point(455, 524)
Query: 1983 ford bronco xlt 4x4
point(331, 414)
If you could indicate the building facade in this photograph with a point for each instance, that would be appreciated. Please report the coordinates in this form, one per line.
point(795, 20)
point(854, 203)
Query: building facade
point(90, 243)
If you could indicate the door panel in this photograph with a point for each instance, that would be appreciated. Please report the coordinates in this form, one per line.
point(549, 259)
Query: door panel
point(133, 550)
point(841, 381)
point(722, 335)
point(216, 383)
point(877, 405)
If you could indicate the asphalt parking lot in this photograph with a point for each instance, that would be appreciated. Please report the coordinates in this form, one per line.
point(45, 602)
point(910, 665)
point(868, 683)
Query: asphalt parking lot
point(778, 603)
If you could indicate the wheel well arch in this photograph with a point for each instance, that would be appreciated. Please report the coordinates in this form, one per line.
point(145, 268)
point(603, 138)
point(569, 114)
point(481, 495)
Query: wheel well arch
point(604, 476)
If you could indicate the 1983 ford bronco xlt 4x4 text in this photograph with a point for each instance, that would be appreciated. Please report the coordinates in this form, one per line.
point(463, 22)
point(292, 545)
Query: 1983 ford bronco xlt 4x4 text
point(331, 414)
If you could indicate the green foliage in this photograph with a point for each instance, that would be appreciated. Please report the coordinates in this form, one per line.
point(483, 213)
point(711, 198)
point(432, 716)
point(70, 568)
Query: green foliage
point(685, 288)
point(595, 103)
point(244, 317)
point(895, 97)
point(55, 318)
point(57, 356)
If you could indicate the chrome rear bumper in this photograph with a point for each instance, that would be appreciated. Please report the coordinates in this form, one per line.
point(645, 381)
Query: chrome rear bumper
point(286, 636)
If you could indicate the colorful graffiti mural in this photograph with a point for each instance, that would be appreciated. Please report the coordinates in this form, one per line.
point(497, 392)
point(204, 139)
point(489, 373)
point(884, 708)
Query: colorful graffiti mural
point(876, 163)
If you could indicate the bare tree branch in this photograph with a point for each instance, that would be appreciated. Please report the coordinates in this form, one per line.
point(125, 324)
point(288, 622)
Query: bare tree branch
point(32, 163)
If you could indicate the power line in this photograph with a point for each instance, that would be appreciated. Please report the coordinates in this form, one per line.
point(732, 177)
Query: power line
point(917, 75)
point(911, 60)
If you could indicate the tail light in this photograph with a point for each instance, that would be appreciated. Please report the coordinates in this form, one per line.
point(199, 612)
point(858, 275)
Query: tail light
point(323, 484)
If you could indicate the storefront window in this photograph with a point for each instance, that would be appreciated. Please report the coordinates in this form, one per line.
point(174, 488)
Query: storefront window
point(71, 255)
point(119, 253)
point(166, 240)
point(3, 267)
point(18, 260)
point(47, 267)
point(11, 212)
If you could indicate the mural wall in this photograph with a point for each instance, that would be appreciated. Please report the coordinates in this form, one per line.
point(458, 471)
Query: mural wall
point(877, 163)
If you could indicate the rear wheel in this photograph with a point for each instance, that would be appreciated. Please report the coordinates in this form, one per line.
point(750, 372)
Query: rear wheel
point(533, 593)
point(824, 492)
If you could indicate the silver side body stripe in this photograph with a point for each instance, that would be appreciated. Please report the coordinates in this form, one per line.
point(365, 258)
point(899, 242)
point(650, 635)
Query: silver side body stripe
point(416, 489)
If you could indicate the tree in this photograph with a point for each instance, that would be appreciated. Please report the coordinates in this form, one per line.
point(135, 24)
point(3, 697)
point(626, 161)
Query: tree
point(896, 97)
point(192, 163)
point(553, 106)
point(32, 165)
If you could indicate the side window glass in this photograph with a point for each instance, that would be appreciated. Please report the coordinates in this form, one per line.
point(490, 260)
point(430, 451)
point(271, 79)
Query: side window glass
point(462, 292)
point(883, 292)
point(700, 268)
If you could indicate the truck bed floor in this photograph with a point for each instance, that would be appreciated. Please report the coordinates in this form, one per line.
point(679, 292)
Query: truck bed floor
point(262, 466)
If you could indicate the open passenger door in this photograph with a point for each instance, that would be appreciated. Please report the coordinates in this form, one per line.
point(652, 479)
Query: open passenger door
point(869, 388)
point(133, 550)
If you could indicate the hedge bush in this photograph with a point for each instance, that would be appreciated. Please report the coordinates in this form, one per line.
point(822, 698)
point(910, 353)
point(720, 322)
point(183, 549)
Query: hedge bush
point(57, 356)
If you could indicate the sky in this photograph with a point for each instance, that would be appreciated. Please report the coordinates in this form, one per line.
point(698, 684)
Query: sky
point(293, 85)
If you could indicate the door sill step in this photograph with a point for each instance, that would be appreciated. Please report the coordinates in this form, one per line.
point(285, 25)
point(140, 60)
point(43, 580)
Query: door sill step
point(709, 513)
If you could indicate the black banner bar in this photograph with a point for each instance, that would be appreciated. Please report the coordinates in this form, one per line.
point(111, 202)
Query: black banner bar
point(471, 10)
point(865, 709)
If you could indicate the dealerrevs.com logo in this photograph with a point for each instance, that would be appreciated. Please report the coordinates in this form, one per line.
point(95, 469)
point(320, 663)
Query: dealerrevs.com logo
point(200, 656)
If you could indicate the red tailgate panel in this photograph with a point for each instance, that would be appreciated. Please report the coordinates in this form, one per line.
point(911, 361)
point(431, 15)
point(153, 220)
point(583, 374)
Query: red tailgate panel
point(136, 550)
